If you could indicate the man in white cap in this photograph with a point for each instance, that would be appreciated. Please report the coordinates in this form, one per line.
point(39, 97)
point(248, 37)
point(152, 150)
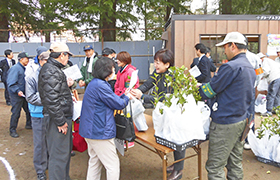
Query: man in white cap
point(231, 94)
point(271, 71)
point(278, 54)
point(58, 110)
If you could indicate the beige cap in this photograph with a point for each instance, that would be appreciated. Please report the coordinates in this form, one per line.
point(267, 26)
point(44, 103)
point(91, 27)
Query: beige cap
point(233, 37)
point(44, 55)
point(60, 47)
point(260, 55)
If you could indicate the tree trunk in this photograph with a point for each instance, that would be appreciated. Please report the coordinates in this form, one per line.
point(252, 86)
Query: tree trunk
point(48, 36)
point(226, 7)
point(4, 33)
point(109, 27)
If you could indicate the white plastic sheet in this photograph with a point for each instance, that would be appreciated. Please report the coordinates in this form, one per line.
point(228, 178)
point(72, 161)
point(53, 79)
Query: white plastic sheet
point(179, 127)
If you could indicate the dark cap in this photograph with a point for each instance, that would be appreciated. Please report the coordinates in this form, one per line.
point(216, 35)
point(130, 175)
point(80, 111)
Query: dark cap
point(107, 51)
point(23, 55)
point(88, 47)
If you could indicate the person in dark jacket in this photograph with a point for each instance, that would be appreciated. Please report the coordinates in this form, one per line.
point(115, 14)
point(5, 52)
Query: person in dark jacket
point(212, 65)
point(58, 110)
point(163, 59)
point(203, 64)
point(231, 91)
point(97, 123)
point(16, 87)
point(5, 65)
point(40, 153)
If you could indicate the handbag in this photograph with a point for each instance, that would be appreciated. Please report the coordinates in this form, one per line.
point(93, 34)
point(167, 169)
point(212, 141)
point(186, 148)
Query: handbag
point(124, 125)
point(79, 143)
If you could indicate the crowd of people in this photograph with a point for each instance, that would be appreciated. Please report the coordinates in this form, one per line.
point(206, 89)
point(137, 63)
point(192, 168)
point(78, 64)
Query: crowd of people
point(42, 89)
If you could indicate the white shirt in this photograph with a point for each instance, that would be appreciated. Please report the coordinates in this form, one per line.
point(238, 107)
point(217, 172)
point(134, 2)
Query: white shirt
point(9, 61)
point(271, 69)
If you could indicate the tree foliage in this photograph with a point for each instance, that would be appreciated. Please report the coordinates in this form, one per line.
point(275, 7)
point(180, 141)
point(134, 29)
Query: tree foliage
point(249, 6)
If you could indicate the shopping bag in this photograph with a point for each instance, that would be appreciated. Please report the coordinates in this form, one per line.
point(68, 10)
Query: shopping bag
point(124, 125)
point(136, 107)
point(140, 122)
point(79, 143)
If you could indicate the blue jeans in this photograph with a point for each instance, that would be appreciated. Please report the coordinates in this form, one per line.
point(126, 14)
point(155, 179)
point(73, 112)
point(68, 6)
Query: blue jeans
point(273, 95)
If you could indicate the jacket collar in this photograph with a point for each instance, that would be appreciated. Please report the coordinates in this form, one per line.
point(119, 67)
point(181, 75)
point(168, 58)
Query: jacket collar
point(55, 63)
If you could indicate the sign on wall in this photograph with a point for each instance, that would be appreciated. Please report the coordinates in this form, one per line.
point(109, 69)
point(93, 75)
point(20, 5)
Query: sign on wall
point(273, 44)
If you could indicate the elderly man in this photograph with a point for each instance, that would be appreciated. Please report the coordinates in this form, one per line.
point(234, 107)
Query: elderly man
point(57, 109)
point(16, 87)
point(231, 91)
point(88, 64)
point(40, 155)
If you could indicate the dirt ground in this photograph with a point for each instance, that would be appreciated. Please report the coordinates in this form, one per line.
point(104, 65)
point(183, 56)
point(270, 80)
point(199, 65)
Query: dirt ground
point(137, 164)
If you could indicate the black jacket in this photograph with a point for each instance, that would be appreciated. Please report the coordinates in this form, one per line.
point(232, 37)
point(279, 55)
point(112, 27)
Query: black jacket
point(204, 67)
point(149, 84)
point(212, 65)
point(54, 92)
point(4, 67)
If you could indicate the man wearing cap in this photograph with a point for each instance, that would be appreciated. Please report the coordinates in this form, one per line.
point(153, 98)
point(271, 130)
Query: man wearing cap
point(88, 64)
point(40, 155)
point(271, 71)
point(16, 87)
point(231, 93)
point(5, 65)
point(111, 53)
point(57, 109)
point(278, 54)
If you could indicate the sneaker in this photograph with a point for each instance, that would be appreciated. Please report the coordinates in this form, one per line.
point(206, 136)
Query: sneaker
point(41, 176)
point(73, 153)
point(267, 113)
point(14, 134)
point(130, 144)
point(247, 146)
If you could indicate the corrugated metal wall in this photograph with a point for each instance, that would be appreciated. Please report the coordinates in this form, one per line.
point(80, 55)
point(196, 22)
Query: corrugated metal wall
point(141, 52)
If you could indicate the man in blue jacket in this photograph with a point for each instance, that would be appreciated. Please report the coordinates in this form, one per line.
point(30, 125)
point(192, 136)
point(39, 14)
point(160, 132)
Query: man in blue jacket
point(231, 93)
point(16, 86)
point(5, 65)
point(40, 155)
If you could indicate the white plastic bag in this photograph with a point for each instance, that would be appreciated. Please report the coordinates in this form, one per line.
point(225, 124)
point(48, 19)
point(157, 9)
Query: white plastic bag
point(136, 106)
point(179, 127)
point(205, 116)
point(260, 103)
point(140, 122)
point(263, 85)
point(265, 147)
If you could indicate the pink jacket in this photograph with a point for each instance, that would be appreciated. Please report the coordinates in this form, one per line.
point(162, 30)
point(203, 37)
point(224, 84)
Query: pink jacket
point(123, 79)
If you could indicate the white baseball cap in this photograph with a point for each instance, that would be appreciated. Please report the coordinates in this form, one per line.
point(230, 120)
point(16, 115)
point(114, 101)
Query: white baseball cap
point(260, 55)
point(277, 49)
point(233, 37)
point(60, 47)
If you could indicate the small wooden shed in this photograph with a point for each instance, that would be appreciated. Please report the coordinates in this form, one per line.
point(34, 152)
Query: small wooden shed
point(184, 31)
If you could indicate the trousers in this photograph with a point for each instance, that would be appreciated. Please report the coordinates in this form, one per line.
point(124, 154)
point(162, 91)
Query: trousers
point(59, 148)
point(102, 152)
point(18, 103)
point(225, 150)
point(40, 154)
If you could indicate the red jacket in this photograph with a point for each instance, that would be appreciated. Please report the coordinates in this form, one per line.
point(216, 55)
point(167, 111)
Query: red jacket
point(123, 79)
